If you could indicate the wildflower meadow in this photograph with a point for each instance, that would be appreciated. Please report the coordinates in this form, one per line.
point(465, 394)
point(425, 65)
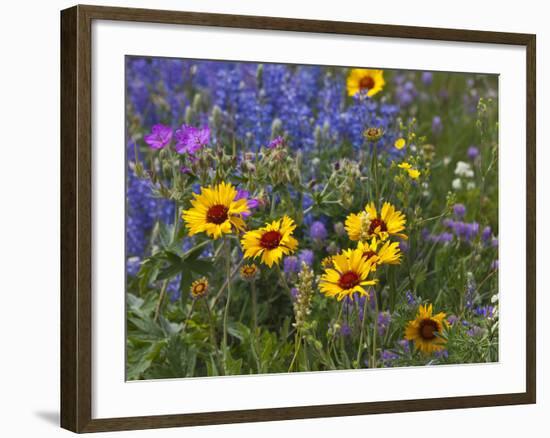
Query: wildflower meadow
point(284, 218)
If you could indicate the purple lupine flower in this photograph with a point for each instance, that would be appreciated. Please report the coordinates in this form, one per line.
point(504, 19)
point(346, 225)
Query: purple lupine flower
point(441, 354)
point(290, 265)
point(132, 266)
point(473, 152)
point(190, 139)
point(452, 319)
point(405, 345)
point(345, 330)
point(475, 331)
point(388, 356)
point(306, 256)
point(437, 126)
point(459, 210)
point(411, 299)
point(449, 223)
point(486, 234)
point(276, 142)
point(406, 93)
point(318, 231)
point(494, 242)
point(485, 311)
point(159, 137)
point(404, 246)
point(252, 203)
point(427, 78)
point(444, 237)
point(186, 170)
point(384, 320)
point(293, 293)
point(495, 265)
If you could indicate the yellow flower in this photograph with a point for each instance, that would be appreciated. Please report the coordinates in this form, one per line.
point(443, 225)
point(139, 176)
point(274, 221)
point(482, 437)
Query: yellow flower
point(249, 272)
point(424, 330)
point(327, 262)
point(413, 173)
point(271, 242)
point(389, 253)
point(399, 143)
point(360, 79)
point(349, 275)
point(368, 223)
point(199, 288)
point(215, 211)
point(373, 134)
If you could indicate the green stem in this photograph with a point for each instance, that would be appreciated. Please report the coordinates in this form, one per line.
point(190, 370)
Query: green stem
point(226, 312)
point(283, 280)
point(297, 344)
point(213, 339)
point(254, 300)
point(254, 305)
point(375, 168)
point(189, 315)
point(360, 349)
point(224, 285)
point(160, 300)
point(374, 330)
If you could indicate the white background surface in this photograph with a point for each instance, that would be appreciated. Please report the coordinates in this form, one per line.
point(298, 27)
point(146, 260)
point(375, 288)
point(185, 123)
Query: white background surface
point(112, 397)
point(29, 117)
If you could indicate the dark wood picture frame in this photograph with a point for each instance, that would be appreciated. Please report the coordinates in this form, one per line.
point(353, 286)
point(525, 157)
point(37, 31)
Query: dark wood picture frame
point(76, 218)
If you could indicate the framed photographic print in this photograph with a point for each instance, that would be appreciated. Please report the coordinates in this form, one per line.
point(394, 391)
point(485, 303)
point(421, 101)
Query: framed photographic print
point(268, 218)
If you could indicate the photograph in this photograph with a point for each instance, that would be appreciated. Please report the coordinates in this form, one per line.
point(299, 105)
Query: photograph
point(285, 218)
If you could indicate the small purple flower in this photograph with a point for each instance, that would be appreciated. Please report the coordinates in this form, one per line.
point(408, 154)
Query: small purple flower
point(405, 345)
point(411, 299)
point(290, 265)
point(251, 203)
point(441, 354)
point(132, 266)
point(494, 242)
point(444, 237)
point(384, 320)
point(159, 137)
point(186, 170)
point(306, 256)
point(437, 126)
point(404, 246)
point(276, 142)
point(294, 293)
point(475, 331)
point(495, 265)
point(452, 319)
point(459, 210)
point(190, 139)
point(427, 78)
point(345, 330)
point(388, 356)
point(473, 152)
point(486, 234)
point(318, 231)
point(449, 223)
point(485, 311)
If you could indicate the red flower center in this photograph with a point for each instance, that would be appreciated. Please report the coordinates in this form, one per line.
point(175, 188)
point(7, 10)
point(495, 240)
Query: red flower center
point(366, 83)
point(428, 327)
point(270, 239)
point(217, 214)
point(375, 223)
point(348, 280)
point(368, 254)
